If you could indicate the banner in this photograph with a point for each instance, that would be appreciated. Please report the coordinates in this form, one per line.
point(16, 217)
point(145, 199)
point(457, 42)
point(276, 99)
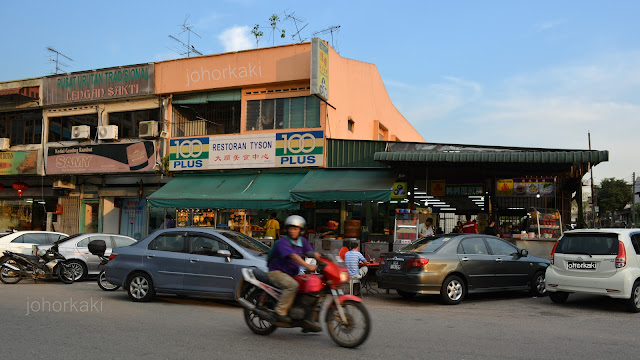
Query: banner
point(19, 163)
point(399, 190)
point(98, 85)
point(283, 149)
point(319, 68)
point(102, 158)
point(526, 187)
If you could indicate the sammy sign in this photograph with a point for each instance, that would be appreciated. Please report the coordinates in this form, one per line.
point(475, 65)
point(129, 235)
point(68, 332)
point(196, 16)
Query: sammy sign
point(290, 149)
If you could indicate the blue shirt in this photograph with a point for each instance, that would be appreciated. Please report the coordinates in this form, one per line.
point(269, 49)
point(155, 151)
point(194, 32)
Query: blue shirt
point(281, 251)
point(351, 260)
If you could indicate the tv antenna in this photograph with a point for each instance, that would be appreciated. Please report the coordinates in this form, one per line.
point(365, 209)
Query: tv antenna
point(328, 30)
point(296, 20)
point(57, 59)
point(187, 47)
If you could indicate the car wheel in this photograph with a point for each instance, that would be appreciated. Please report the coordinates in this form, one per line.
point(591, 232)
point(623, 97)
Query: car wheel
point(140, 287)
point(559, 297)
point(406, 294)
point(538, 285)
point(79, 269)
point(452, 291)
point(634, 301)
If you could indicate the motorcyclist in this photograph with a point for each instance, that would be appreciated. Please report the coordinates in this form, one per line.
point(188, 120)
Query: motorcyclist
point(285, 261)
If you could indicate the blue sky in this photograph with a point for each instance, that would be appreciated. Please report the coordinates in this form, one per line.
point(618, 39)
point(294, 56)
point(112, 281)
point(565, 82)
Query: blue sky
point(538, 74)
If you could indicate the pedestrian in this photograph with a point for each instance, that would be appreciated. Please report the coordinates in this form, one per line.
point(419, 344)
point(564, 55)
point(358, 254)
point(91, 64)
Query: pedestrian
point(272, 227)
point(491, 229)
point(470, 227)
point(169, 222)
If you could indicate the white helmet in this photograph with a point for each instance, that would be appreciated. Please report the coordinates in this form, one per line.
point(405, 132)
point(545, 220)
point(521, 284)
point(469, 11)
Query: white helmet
point(295, 220)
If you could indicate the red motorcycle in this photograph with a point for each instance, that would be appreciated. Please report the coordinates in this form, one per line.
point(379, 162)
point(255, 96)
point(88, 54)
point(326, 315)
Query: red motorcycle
point(347, 318)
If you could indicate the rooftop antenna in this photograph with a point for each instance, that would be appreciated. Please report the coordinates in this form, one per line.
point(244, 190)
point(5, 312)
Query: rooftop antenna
point(331, 30)
point(296, 20)
point(57, 59)
point(187, 48)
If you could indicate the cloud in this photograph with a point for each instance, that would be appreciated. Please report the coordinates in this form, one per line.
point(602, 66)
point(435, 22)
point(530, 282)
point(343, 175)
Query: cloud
point(236, 38)
point(548, 25)
point(554, 107)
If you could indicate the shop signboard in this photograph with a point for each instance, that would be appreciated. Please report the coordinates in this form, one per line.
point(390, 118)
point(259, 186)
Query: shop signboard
point(440, 188)
point(526, 187)
point(99, 85)
point(19, 162)
point(319, 68)
point(102, 158)
point(267, 150)
point(399, 190)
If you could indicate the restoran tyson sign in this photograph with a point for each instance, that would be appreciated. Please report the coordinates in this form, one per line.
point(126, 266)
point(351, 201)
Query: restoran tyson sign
point(286, 149)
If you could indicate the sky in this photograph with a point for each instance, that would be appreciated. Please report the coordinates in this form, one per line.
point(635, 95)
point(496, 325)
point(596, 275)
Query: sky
point(509, 73)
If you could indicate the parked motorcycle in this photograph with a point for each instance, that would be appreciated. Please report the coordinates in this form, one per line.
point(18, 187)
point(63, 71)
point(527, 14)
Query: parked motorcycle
point(47, 264)
point(98, 248)
point(347, 318)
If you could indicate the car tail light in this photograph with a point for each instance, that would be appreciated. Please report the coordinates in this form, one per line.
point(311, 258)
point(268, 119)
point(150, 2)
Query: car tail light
point(417, 263)
point(112, 256)
point(621, 259)
point(553, 252)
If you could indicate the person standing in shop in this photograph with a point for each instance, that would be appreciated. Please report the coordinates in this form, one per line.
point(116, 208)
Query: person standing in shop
point(426, 228)
point(491, 229)
point(169, 222)
point(272, 227)
point(470, 227)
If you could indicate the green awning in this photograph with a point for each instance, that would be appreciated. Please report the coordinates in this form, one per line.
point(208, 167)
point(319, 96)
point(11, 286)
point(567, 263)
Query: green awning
point(203, 98)
point(345, 185)
point(541, 157)
point(269, 190)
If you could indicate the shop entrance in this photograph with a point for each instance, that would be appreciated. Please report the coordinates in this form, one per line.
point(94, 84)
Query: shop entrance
point(90, 216)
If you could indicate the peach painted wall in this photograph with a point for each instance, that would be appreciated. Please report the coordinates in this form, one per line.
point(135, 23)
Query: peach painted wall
point(356, 90)
point(234, 70)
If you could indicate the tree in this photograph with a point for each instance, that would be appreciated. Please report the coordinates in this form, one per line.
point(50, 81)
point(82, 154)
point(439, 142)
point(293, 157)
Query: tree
point(273, 21)
point(612, 195)
point(257, 33)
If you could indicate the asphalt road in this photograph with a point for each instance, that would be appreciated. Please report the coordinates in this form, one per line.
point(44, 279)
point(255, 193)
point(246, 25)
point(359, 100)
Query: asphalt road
point(95, 324)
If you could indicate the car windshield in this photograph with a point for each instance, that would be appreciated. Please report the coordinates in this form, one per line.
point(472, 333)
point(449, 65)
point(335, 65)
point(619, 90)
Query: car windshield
point(588, 244)
point(246, 242)
point(427, 244)
point(67, 238)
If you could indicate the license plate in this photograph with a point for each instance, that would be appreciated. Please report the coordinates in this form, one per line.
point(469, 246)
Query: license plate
point(581, 265)
point(395, 265)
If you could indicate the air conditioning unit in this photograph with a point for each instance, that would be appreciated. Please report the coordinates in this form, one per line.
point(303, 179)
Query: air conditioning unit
point(108, 132)
point(148, 129)
point(5, 143)
point(63, 184)
point(81, 132)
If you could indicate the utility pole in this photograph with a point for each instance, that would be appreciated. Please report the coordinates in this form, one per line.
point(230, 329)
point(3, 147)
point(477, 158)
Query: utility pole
point(593, 193)
point(633, 200)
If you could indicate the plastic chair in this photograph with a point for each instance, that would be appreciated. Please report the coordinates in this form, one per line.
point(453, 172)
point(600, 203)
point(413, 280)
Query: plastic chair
point(351, 283)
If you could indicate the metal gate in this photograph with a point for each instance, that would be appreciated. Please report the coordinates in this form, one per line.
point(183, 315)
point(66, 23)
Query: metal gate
point(70, 223)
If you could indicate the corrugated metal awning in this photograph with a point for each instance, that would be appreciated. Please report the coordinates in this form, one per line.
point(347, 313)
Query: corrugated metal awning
point(345, 185)
point(540, 157)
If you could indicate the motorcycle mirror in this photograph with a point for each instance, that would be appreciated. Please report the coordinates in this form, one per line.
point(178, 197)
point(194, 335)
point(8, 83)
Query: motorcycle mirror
point(310, 254)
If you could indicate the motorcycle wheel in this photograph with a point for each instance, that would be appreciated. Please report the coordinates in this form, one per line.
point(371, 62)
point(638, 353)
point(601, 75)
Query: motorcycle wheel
point(355, 331)
point(10, 276)
point(66, 274)
point(104, 284)
point(254, 321)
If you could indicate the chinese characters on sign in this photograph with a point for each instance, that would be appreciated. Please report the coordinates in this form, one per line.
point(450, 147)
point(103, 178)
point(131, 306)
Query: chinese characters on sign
point(319, 68)
point(290, 149)
point(440, 188)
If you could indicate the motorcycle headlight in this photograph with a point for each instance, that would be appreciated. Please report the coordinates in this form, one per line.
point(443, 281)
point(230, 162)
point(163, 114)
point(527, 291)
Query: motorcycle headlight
point(344, 276)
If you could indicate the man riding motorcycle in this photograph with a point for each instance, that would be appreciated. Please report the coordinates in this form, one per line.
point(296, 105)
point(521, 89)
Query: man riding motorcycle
point(285, 261)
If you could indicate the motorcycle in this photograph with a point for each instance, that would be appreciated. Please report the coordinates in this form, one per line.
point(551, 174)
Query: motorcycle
point(98, 248)
point(47, 264)
point(346, 317)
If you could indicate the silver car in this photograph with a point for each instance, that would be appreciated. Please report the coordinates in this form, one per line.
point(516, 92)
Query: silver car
point(74, 249)
point(196, 261)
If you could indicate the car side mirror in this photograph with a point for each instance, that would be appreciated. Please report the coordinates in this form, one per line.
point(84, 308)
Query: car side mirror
point(225, 254)
point(523, 253)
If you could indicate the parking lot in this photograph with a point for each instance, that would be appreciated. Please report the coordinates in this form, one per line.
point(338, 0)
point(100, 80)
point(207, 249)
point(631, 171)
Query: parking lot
point(80, 321)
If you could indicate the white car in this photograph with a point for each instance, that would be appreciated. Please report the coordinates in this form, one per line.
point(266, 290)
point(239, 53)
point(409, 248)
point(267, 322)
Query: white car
point(22, 241)
point(598, 262)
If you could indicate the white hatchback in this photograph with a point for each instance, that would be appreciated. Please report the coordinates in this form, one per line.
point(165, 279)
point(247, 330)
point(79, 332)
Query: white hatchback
point(598, 262)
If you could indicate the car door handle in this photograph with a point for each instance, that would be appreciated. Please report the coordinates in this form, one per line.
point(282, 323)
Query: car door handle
point(498, 260)
point(194, 260)
point(465, 259)
point(150, 256)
